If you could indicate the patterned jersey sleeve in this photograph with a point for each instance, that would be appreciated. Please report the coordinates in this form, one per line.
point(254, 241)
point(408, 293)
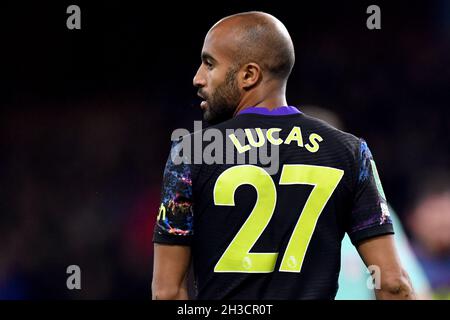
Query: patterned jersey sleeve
point(370, 213)
point(174, 223)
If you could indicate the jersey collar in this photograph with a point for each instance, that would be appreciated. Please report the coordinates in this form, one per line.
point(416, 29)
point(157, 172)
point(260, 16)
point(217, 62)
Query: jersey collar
point(280, 111)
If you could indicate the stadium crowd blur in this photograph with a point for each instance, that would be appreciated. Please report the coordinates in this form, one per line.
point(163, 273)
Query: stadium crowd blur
point(86, 120)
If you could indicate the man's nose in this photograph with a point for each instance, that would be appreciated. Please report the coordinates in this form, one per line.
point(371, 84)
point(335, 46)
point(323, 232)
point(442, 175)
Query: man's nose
point(198, 80)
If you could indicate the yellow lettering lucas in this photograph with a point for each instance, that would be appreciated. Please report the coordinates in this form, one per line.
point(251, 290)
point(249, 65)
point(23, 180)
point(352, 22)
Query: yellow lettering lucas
point(294, 136)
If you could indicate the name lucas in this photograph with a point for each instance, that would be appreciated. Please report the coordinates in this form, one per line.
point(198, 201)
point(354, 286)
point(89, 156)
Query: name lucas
point(295, 136)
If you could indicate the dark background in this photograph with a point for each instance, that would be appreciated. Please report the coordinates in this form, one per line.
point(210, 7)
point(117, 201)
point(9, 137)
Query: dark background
point(86, 117)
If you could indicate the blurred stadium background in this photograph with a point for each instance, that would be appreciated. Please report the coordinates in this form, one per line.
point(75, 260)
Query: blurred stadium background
point(86, 117)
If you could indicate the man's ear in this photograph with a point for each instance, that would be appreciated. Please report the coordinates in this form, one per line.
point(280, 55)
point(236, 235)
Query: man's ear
point(250, 75)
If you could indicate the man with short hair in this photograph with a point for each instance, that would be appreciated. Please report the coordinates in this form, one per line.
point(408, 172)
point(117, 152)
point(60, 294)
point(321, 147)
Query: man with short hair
point(255, 235)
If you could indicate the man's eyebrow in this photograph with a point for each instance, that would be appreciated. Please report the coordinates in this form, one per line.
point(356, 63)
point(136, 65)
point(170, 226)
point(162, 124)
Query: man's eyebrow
point(207, 56)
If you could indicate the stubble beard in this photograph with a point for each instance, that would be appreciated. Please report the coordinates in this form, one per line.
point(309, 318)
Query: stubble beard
point(224, 100)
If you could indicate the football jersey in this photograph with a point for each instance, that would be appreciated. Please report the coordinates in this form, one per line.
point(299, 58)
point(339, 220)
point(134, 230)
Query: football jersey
point(260, 232)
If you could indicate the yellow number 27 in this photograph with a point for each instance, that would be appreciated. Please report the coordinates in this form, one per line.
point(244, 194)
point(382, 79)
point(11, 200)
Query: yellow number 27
point(237, 257)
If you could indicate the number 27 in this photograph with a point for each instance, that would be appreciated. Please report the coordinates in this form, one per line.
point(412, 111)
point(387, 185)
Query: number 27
point(237, 257)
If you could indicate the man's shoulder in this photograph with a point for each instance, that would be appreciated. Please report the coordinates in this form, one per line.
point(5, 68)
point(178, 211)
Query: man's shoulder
point(343, 136)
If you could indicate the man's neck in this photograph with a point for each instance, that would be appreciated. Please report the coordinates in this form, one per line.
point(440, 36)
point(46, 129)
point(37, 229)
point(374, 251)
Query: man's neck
point(268, 103)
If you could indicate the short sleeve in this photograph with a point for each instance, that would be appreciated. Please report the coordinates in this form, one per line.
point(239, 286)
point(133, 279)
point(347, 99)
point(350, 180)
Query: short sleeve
point(370, 215)
point(174, 223)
